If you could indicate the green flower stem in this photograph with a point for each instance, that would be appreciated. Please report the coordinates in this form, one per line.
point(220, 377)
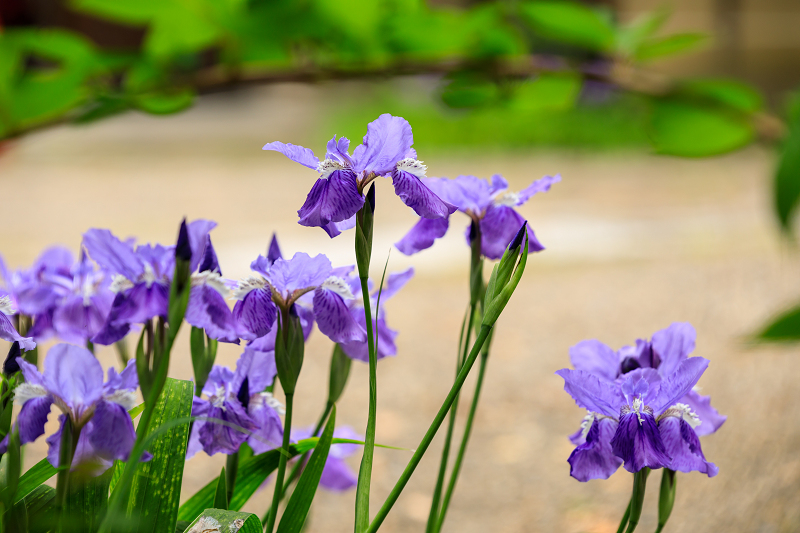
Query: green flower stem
point(231, 467)
point(295, 472)
point(278, 494)
point(624, 522)
point(466, 329)
point(637, 499)
point(365, 472)
point(70, 434)
point(666, 498)
point(431, 433)
point(464, 440)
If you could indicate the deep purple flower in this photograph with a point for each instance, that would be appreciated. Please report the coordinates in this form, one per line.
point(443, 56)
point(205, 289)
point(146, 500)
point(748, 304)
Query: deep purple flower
point(207, 308)
point(237, 399)
point(488, 204)
point(141, 276)
point(338, 194)
point(384, 335)
point(638, 419)
point(336, 475)
point(73, 381)
point(667, 349)
point(302, 281)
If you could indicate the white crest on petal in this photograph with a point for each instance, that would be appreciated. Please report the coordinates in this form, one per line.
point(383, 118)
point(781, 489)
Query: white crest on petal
point(586, 424)
point(7, 306)
point(249, 284)
point(27, 391)
point(120, 283)
point(218, 398)
point(266, 398)
point(212, 279)
point(509, 199)
point(328, 166)
point(412, 166)
point(685, 412)
point(149, 275)
point(339, 286)
point(125, 398)
point(638, 408)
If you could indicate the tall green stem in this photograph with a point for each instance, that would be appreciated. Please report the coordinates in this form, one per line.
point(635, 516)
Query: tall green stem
point(462, 450)
point(231, 467)
point(365, 472)
point(278, 494)
point(637, 498)
point(624, 522)
point(69, 443)
point(431, 433)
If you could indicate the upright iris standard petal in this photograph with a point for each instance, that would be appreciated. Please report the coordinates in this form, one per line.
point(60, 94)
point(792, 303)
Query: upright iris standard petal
point(673, 345)
point(332, 199)
point(683, 446)
point(637, 442)
point(74, 375)
point(112, 254)
point(677, 385)
point(595, 459)
point(592, 393)
point(596, 358)
point(387, 141)
point(498, 227)
point(300, 272)
point(423, 235)
point(198, 231)
point(298, 154)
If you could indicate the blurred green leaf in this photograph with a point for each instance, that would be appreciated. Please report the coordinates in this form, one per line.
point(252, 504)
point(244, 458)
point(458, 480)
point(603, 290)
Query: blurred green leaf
point(735, 94)
point(33, 477)
point(671, 45)
point(155, 493)
point(632, 35)
point(691, 130)
point(87, 502)
point(40, 507)
point(466, 91)
point(436, 34)
point(221, 494)
point(784, 328)
point(786, 188)
point(569, 22)
point(167, 102)
point(294, 516)
point(549, 91)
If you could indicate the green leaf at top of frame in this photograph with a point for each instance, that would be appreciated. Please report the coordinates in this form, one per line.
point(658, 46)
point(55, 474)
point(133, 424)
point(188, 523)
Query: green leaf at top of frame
point(571, 23)
point(784, 328)
point(631, 35)
point(213, 520)
point(786, 187)
point(294, 516)
point(678, 43)
point(690, 129)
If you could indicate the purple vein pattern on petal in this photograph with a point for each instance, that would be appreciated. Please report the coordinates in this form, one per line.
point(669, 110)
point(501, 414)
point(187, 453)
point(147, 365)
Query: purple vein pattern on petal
point(673, 345)
point(683, 446)
point(387, 141)
point(113, 434)
point(334, 318)
point(112, 254)
point(416, 195)
point(423, 235)
point(596, 358)
point(676, 386)
point(334, 199)
point(638, 442)
point(499, 227)
point(594, 459)
point(298, 154)
point(300, 272)
point(32, 418)
point(198, 234)
point(73, 374)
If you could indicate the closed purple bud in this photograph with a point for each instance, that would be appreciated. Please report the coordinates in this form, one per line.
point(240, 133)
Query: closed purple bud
point(371, 198)
point(473, 232)
point(274, 252)
point(518, 237)
point(244, 393)
point(209, 261)
point(11, 366)
point(183, 250)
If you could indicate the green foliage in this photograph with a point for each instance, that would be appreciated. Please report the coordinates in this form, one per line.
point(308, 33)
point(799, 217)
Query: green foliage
point(784, 328)
point(155, 493)
point(87, 502)
point(670, 45)
point(690, 129)
point(40, 507)
point(213, 520)
point(294, 516)
point(33, 478)
point(221, 492)
point(570, 22)
point(786, 187)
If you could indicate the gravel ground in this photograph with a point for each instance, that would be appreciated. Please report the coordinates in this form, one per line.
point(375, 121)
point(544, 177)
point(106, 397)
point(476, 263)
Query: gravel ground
point(634, 242)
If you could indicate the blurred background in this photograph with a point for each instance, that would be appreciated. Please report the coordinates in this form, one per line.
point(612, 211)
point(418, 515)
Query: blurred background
point(673, 125)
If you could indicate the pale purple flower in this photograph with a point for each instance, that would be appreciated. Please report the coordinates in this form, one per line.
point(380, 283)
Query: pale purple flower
point(207, 308)
point(336, 475)
point(73, 382)
point(490, 205)
point(384, 335)
point(664, 353)
point(36, 290)
point(338, 194)
point(7, 330)
point(638, 419)
point(237, 398)
point(141, 276)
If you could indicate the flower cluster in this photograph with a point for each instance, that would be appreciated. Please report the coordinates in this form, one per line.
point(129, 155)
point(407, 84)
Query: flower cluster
point(643, 408)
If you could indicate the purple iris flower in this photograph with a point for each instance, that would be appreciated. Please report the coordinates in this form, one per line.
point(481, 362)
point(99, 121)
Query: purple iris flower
point(309, 282)
point(141, 276)
point(36, 290)
point(207, 308)
point(338, 194)
point(7, 330)
point(385, 336)
point(237, 399)
point(488, 204)
point(73, 381)
point(336, 475)
point(638, 419)
point(663, 353)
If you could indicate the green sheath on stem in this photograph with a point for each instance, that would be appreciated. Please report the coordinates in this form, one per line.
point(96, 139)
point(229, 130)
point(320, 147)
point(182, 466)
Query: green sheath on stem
point(637, 498)
point(666, 498)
